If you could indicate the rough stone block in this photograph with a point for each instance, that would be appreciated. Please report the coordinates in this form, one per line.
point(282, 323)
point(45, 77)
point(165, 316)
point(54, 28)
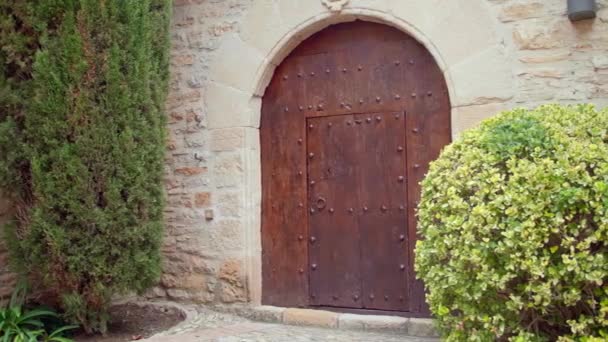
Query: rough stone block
point(269, 314)
point(421, 327)
point(379, 323)
point(310, 317)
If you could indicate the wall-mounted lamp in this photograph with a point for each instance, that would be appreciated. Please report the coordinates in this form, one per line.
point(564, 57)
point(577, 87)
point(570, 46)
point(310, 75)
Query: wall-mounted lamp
point(581, 9)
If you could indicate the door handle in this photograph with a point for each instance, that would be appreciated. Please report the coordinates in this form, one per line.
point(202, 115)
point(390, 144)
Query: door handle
point(321, 203)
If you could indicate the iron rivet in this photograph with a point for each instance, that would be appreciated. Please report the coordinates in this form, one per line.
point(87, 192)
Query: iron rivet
point(334, 297)
point(401, 179)
point(429, 94)
point(402, 267)
point(313, 239)
point(309, 106)
point(368, 120)
point(301, 205)
point(286, 109)
point(356, 297)
point(383, 208)
point(401, 207)
point(300, 173)
point(273, 174)
point(361, 101)
point(349, 123)
point(385, 297)
point(300, 141)
point(351, 210)
point(397, 116)
point(301, 270)
point(400, 149)
point(314, 266)
point(312, 183)
point(301, 108)
point(401, 237)
point(344, 70)
point(378, 118)
point(365, 208)
point(415, 130)
point(413, 94)
point(377, 98)
point(401, 298)
point(331, 210)
point(312, 211)
point(311, 126)
point(416, 166)
point(327, 71)
point(312, 296)
point(299, 74)
point(360, 68)
point(274, 206)
point(411, 61)
point(342, 104)
point(371, 296)
point(311, 155)
point(330, 124)
point(312, 74)
point(358, 121)
point(397, 97)
point(285, 77)
point(397, 62)
point(320, 106)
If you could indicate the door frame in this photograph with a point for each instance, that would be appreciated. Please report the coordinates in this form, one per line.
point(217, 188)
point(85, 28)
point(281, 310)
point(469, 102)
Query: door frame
point(233, 102)
point(283, 130)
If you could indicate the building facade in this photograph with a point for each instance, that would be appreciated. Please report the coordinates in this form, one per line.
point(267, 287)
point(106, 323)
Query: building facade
point(492, 55)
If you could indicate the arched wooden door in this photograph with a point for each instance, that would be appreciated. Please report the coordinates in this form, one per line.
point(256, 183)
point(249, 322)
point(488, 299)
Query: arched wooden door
point(350, 122)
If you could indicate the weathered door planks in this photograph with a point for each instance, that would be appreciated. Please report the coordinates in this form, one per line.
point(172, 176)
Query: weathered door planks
point(335, 278)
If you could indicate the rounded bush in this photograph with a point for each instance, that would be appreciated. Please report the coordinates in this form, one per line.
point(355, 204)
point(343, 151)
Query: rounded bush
point(514, 226)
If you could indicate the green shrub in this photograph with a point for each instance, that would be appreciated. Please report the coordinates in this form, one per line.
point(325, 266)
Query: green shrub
point(82, 91)
point(514, 216)
point(20, 325)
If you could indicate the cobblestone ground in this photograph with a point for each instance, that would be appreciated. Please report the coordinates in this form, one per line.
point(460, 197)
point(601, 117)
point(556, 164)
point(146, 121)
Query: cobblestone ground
point(207, 325)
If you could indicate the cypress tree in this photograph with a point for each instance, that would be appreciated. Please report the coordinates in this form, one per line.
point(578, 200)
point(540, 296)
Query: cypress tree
point(82, 94)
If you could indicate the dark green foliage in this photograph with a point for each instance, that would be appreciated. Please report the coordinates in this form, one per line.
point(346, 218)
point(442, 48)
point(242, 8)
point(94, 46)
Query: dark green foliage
point(81, 145)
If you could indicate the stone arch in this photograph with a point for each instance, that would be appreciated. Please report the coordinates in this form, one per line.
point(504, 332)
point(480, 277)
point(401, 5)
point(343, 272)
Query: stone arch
point(467, 47)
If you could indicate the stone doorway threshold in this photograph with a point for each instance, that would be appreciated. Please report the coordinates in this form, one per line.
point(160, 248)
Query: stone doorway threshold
point(415, 327)
point(246, 323)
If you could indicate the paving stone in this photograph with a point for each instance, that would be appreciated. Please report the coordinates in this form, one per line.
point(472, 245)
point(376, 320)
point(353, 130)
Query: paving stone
point(421, 327)
point(270, 314)
point(376, 323)
point(316, 318)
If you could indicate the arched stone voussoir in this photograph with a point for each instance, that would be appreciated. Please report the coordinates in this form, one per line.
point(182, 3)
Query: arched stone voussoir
point(236, 64)
point(482, 78)
point(462, 35)
point(231, 107)
point(463, 28)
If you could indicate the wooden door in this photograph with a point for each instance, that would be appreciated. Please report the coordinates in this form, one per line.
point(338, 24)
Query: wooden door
point(357, 197)
point(350, 121)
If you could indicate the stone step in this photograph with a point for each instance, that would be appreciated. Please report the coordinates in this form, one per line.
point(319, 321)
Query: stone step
point(416, 327)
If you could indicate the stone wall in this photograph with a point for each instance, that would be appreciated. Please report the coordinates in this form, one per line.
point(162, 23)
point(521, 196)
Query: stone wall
point(204, 232)
point(207, 256)
point(552, 59)
point(212, 166)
